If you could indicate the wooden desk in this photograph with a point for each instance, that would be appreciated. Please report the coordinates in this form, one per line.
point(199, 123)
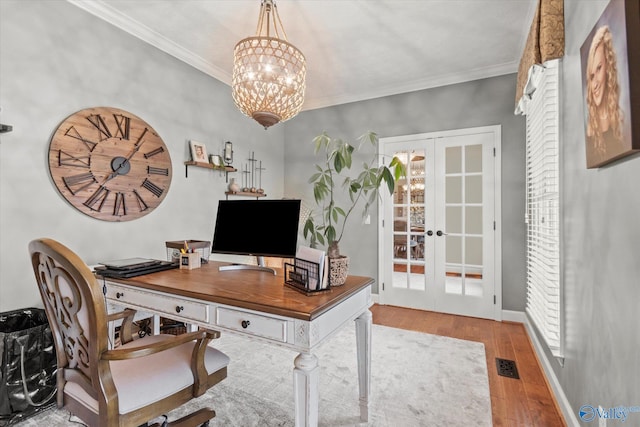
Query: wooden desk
point(258, 305)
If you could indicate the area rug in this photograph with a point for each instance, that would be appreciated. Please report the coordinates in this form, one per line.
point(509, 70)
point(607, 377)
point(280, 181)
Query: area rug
point(416, 380)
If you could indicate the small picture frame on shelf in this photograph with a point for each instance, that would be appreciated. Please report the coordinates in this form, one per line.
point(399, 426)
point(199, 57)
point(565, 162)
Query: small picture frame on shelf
point(216, 160)
point(198, 152)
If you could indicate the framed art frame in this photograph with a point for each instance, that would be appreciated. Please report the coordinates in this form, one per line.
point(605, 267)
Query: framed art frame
point(610, 61)
point(198, 152)
point(216, 160)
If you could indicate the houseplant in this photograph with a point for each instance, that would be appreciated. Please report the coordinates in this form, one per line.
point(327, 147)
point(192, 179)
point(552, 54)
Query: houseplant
point(330, 183)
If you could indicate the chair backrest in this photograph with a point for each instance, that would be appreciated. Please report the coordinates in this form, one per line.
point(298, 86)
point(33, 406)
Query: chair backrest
point(75, 307)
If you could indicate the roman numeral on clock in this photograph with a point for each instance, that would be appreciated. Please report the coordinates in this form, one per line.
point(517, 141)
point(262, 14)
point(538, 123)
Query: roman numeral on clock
point(98, 122)
point(66, 159)
point(119, 207)
point(73, 133)
point(141, 203)
point(97, 198)
point(154, 189)
point(77, 183)
point(123, 124)
point(157, 171)
point(154, 152)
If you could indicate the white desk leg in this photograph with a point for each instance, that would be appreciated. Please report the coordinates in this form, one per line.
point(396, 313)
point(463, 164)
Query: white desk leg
point(155, 324)
point(363, 342)
point(305, 389)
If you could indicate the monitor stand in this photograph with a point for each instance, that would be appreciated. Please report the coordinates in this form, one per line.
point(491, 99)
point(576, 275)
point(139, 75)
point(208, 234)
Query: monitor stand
point(259, 267)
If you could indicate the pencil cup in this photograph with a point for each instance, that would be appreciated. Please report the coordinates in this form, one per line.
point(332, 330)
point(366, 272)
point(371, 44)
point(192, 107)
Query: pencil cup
point(189, 261)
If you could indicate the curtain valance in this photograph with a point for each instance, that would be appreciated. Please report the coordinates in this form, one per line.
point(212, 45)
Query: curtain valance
point(545, 41)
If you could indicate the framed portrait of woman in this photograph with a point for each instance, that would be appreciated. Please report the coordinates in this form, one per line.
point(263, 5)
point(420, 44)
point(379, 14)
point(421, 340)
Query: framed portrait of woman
point(198, 152)
point(610, 61)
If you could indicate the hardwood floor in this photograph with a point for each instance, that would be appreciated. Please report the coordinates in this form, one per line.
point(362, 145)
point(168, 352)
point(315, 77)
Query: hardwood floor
point(514, 402)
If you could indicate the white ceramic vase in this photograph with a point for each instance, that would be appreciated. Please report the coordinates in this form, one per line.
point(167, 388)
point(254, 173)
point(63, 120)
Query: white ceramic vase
point(233, 186)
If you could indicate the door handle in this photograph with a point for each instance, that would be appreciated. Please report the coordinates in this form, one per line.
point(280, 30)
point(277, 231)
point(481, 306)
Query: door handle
point(440, 233)
point(430, 233)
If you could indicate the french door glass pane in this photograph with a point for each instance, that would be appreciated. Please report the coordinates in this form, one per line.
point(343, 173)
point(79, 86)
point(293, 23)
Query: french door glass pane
point(464, 220)
point(408, 223)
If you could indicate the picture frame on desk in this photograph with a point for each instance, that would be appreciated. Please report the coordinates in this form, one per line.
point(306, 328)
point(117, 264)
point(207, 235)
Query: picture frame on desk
point(198, 152)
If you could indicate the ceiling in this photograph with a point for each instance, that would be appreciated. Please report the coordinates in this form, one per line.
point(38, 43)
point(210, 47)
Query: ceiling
point(355, 49)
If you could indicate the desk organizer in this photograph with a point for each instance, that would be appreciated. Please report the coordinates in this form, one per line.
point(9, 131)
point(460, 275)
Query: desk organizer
point(303, 276)
point(202, 247)
point(189, 261)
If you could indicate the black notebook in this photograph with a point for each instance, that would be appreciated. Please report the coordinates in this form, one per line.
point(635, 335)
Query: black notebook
point(122, 270)
point(129, 263)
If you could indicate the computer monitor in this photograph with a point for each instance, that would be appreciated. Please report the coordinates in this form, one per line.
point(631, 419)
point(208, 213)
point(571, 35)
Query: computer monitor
point(257, 227)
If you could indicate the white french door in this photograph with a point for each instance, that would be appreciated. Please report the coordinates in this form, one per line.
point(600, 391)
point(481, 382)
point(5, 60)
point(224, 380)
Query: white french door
point(439, 249)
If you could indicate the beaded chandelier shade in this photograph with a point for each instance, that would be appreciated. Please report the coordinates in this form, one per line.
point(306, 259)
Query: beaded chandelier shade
point(268, 72)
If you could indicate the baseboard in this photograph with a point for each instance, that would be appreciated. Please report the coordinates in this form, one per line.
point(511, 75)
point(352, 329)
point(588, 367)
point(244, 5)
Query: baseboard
point(507, 315)
point(561, 399)
point(514, 316)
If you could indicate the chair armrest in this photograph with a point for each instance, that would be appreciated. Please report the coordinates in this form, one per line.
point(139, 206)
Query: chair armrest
point(200, 374)
point(126, 330)
point(132, 353)
point(127, 312)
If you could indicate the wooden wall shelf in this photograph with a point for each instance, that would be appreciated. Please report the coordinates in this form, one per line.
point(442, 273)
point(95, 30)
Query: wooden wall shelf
point(244, 194)
point(225, 169)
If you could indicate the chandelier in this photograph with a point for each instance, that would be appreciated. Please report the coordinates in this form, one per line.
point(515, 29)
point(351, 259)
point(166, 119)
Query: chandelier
point(268, 72)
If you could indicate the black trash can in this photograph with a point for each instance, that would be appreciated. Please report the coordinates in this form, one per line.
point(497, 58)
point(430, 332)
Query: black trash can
point(28, 357)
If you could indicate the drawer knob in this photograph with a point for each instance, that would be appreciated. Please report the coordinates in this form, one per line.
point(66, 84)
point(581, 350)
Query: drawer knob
point(119, 294)
point(245, 324)
point(179, 308)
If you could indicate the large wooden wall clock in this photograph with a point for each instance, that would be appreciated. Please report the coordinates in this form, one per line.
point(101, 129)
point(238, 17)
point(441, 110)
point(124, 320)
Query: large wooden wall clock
point(109, 164)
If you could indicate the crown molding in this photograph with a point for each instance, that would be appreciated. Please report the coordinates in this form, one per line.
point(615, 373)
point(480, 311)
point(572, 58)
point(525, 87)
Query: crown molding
point(146, 34)
point(414, 86)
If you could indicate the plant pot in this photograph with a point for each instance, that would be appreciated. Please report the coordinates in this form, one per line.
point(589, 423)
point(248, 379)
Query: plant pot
point(338, 270)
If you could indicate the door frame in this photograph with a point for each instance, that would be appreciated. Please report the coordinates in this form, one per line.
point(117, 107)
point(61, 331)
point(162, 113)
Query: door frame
point(497, 188)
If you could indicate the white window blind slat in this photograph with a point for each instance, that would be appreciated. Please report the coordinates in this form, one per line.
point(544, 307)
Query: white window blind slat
point(543, 208)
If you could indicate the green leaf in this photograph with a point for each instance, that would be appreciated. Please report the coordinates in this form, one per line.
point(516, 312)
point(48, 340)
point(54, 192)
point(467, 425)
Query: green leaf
point(338, 161)
point(330, 232)
point(319, 192)
point(320, 141)
point(308, 227)
point(348, 151)
point(399, 169)
point(314, 177)
point(371, 200)
point(388, 178)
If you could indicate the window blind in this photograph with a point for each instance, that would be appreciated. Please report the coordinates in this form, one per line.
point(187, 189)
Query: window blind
point(544, 296)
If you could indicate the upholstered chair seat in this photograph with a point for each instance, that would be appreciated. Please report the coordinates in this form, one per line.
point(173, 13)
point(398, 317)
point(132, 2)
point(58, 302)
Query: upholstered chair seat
point(137, 388)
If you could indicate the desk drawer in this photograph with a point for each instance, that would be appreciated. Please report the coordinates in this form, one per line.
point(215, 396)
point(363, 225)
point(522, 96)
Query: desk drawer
point(173, 307)
point(254, 324)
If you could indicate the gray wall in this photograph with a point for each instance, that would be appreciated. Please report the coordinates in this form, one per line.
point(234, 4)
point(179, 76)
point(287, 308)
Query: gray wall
point(601, 235)
point(56, 59)
point(476, 103)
